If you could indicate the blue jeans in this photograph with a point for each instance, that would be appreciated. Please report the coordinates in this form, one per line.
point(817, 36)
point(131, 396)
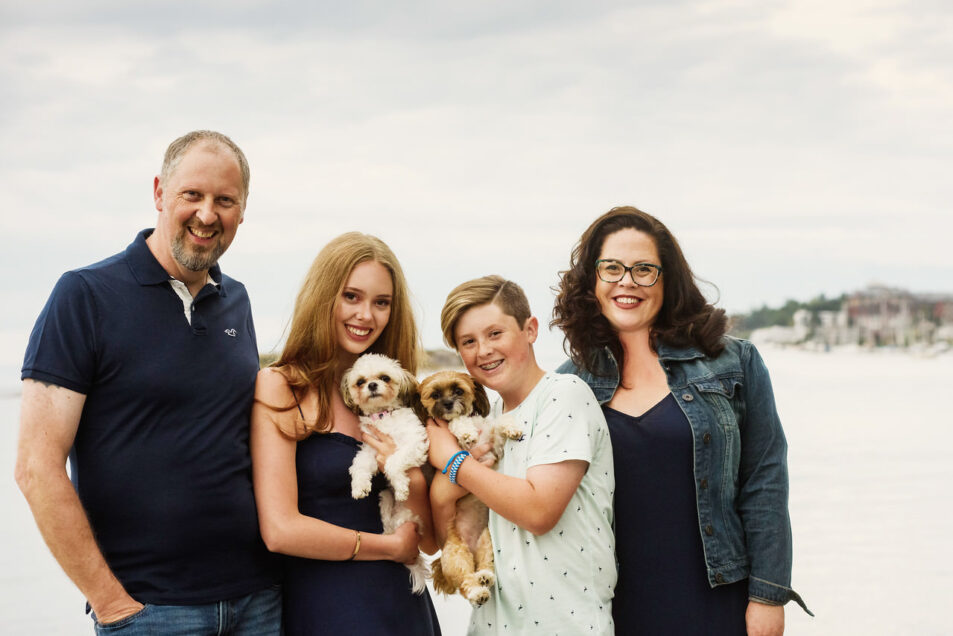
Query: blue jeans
point(257, 614)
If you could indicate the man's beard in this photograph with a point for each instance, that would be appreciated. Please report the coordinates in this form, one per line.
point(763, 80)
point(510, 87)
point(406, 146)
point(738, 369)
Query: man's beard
point(195, 260)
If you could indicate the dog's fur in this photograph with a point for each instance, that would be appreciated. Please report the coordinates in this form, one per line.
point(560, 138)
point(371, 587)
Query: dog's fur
point(466, 563)
point(379, 390)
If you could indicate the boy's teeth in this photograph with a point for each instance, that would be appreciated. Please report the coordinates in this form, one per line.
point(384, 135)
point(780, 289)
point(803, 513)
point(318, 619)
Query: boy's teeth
point(491, 366)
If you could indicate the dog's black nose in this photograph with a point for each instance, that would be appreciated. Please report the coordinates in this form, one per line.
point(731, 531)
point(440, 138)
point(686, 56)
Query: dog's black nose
point(447, 405)
point(372, 386)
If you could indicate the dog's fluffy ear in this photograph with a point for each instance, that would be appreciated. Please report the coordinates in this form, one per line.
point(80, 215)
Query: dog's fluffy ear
point(346, 392)
point(418, 406)
point(481, 403)
point(407, 387)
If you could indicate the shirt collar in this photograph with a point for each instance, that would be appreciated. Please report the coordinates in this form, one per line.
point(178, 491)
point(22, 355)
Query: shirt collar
point(667, 352)
point(147, 270)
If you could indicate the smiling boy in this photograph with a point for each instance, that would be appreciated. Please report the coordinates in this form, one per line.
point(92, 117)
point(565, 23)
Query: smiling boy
point(550, 495)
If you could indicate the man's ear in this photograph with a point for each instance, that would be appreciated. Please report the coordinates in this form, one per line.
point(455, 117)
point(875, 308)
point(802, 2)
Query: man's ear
point(157, 193)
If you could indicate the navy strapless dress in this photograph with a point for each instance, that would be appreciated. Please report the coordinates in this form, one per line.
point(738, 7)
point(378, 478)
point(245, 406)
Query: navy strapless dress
point(347, 597)
point(663, 584)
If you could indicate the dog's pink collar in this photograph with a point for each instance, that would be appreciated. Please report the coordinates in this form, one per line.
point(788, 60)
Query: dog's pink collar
point(378, 416)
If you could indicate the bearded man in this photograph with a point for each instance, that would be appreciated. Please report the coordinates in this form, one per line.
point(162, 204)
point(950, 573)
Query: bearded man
point(141, 371)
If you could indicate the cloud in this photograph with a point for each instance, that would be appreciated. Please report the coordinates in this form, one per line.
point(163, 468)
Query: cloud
point(478, 137)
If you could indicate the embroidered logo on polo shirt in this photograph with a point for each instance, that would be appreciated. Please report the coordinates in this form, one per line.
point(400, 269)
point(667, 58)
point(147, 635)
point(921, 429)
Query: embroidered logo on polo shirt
point(231, 332)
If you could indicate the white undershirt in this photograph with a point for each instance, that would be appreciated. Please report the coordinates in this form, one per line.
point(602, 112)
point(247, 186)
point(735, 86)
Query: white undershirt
point(182, 291)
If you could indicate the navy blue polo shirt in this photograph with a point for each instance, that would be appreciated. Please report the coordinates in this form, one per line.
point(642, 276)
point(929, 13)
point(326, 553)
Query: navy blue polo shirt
point(160, 460)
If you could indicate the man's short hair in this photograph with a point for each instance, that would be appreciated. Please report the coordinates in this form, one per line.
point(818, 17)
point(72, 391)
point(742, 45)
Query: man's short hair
point(507, 295)
point(178, 148)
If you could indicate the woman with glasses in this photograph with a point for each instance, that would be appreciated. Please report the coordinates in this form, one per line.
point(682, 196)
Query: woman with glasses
point(701, 501)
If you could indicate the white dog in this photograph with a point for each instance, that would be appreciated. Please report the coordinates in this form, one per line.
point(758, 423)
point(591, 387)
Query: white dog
point(379, 390)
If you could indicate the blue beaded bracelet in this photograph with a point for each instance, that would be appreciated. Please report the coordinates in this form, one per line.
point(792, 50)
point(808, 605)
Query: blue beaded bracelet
point(450, 461)
point(458, 460)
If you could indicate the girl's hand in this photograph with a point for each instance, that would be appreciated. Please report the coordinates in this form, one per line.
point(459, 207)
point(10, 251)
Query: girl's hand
point(381, 442)
point(405, 546)
point(443, 444)
point(764, 620)
point(478, 451)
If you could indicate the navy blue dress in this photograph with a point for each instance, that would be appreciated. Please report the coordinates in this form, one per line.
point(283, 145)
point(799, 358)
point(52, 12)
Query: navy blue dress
point(663, 584)
point(347, 597)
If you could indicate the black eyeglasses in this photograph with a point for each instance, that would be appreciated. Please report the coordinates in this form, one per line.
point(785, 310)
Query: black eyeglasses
point(612, 271)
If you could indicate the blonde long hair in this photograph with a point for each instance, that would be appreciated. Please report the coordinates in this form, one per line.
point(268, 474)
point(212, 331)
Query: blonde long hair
point(309, 358)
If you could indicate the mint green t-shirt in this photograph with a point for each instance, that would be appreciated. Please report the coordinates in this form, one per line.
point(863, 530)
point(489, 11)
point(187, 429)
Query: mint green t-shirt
point(561, 582)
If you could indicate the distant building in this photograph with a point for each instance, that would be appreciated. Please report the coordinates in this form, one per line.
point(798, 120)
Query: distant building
point(777, 334)
point(877, 316)
point(882, 316)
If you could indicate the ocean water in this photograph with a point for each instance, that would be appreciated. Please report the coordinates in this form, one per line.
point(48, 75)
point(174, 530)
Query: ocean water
point(870, 497)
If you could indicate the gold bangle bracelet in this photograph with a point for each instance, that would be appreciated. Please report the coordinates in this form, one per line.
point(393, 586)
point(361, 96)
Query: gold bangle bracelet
point(357, 545)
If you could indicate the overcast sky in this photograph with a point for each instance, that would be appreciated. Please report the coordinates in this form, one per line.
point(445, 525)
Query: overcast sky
point(795, 147)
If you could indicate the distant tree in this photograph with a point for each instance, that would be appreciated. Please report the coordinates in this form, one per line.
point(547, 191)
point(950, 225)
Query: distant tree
point(742, 325)
point(821, 303)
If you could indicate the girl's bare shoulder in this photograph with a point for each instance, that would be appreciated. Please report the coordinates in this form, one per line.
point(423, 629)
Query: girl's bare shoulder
point(272, 386)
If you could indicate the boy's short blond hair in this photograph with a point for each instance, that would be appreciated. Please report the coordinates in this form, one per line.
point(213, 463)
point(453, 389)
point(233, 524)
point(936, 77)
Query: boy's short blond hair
point(507, 295)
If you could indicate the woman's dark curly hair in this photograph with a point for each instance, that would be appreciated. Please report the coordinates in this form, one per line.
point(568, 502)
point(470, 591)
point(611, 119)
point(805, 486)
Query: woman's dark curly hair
point(685, 319)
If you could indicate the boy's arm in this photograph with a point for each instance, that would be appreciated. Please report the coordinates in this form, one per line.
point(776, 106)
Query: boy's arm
point(535, 503)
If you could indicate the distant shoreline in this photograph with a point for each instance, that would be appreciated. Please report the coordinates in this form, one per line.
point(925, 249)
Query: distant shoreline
point(437, 363)
point(921, 352)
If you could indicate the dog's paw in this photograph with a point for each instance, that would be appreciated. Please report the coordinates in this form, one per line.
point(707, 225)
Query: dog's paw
point(468, 439)
point(401, 487)
point(511, 431)
point(478, 596)
point(486, 578)
point(359, 491)
point(474, 590)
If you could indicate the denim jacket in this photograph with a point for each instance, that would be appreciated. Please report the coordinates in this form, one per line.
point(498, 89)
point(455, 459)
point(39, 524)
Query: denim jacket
point(740, 466)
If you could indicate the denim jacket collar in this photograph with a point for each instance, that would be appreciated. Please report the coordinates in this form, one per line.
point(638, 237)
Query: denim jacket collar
point(604, 376)
point(604, 364)
point(676, 354)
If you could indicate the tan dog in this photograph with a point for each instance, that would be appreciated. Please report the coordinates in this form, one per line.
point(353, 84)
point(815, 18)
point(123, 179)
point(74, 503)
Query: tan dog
point(466, 563)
